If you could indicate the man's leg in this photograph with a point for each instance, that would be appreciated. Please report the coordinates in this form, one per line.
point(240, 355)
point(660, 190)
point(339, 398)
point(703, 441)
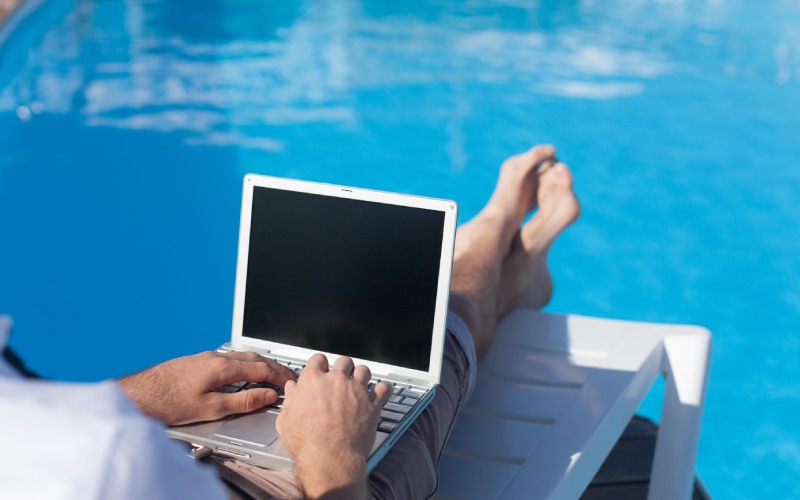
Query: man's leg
point(525, 277)
point(498, 266)
point(483, 244)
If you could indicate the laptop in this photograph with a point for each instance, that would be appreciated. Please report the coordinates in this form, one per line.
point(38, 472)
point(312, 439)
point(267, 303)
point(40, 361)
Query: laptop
point(345, 272)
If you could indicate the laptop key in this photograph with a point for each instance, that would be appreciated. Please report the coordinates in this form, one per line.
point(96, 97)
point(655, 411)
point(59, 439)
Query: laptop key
point(392, 416)
point(262, 385)
point(397, 408)
point(279, 402)
point(228, 389)
point(387, 426)
point(412, 393)
point(395, 399)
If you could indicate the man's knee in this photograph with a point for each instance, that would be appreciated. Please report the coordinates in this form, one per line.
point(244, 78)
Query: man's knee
point(467, 310)
point(408, 471)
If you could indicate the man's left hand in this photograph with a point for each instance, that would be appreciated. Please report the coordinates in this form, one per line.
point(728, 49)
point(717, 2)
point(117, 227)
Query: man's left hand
point(186, 390)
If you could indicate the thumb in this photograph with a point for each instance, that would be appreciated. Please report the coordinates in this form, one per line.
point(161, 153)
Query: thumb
point(244, 401)
point(289, 386)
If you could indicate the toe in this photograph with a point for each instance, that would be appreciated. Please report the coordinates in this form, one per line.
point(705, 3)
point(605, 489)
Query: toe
point(557, 173)
point(538, 154)
point(533, 156)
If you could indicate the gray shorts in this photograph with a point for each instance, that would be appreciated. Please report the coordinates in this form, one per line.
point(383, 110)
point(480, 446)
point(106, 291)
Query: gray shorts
point(410, 469)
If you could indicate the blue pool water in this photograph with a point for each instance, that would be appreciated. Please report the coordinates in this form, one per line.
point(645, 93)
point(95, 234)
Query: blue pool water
point(126, 127)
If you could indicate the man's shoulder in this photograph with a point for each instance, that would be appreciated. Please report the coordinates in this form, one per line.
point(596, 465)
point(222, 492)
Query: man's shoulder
point(89, 441)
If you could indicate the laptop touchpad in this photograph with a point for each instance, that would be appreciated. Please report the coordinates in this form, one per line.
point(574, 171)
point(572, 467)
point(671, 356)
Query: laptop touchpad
point(256, 428)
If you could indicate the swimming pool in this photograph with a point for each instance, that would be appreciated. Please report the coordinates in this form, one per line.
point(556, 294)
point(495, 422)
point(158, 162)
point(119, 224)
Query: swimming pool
point(126, 126)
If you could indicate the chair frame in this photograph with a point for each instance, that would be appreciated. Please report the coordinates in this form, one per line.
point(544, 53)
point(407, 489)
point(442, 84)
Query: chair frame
point(569, 385)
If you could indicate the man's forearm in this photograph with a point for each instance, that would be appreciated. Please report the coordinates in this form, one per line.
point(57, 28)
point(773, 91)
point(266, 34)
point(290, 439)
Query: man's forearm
point(332, 477)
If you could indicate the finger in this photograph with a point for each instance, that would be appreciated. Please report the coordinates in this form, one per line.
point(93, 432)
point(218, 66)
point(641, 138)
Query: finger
point(317, 361)
point(289, 387)
point(344, 364)
point(279, 423)
point(242, 355)
point(362, 374)
point(382, 392)
point(281, 371)
point(241, 402)
point(231, 370)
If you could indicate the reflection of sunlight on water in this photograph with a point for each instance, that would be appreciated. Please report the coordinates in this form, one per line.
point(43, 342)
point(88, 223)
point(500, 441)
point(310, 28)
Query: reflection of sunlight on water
point(591, 90)
point(787, 58)
point(234, 139)
point(569, 65)
point(220, 93)
point(776, 443)
point(313, 69)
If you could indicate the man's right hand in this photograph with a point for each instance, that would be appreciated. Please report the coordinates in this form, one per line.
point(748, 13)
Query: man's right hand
point(328, 424)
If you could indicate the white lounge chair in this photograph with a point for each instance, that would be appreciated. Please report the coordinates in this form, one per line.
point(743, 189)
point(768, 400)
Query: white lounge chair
point(555, 393)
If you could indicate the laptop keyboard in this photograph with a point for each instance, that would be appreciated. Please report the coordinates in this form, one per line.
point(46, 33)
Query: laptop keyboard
point(399, 405)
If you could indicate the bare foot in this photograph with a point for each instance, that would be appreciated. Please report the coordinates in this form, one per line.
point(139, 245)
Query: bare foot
point(526, 279)
point(514, 196)
point(516, 190)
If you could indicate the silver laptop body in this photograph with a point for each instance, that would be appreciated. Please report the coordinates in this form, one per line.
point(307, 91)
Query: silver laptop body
point(342, 271)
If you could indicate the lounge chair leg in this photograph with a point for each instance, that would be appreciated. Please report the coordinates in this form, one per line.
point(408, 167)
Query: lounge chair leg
point(685, 366)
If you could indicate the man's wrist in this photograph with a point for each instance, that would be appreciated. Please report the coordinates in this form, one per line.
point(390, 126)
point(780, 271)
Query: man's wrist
point(131, 387)
point(332, 475)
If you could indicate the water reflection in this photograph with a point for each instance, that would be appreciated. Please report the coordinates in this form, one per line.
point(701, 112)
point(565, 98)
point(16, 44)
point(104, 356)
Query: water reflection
point(220, 71)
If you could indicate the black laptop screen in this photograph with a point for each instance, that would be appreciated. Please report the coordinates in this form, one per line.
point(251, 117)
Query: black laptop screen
point(344, 276)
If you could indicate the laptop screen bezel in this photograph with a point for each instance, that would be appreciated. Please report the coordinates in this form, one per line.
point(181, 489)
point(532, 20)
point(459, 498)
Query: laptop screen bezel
point(448, 208)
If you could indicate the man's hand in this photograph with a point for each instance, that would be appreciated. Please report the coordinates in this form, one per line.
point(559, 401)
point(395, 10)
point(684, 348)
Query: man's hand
point(186, 390)
point(328, 424)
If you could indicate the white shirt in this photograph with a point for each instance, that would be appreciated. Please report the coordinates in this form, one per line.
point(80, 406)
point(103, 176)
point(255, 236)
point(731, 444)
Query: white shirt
point(88, 441)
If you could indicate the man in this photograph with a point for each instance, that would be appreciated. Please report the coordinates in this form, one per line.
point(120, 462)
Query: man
point(329, 416)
